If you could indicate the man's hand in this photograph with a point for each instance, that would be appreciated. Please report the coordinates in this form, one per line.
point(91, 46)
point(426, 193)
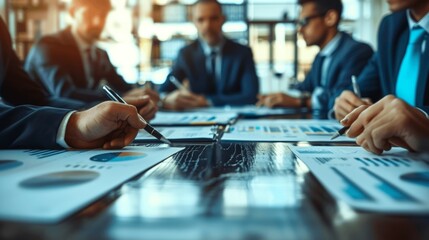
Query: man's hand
point(180, 100)
point(146, 107)
point(347, 102)
point(109, 125)
point(389, 122)
point(140, 92)
point(278, 100)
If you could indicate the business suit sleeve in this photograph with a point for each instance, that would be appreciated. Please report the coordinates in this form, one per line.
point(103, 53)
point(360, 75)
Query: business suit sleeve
point(307, 85)
point(249, 85)
point(311, 79)
point(177, 71)
point(30, 127)
point(44, 65)
point(355, 62)
point(16, 86)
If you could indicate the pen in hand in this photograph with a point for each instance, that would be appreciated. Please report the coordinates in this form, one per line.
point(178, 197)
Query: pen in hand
point(177, 83)
point(356, 91)
point(151, 130)
point(356, 88)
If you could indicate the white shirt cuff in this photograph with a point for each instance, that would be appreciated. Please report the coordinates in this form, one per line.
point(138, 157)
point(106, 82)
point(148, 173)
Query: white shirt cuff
point(61, 134)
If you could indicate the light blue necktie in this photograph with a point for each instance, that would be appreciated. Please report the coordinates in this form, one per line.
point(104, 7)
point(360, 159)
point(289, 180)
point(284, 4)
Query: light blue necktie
point(408, 77)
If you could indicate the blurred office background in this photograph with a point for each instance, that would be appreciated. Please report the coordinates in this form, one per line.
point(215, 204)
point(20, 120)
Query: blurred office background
point(143, 37)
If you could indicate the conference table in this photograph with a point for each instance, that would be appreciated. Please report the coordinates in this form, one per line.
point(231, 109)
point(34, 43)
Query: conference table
point(220, 190)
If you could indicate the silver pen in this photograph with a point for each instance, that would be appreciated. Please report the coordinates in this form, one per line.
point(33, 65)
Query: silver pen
point(151, 130)
point(356, 88)
point(356, 91)
point(177, 83)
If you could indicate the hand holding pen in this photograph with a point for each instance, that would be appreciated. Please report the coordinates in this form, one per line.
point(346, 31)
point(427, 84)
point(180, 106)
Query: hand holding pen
point(152, 131)
point(177, 83)
point(183, 98)
point(356, 91)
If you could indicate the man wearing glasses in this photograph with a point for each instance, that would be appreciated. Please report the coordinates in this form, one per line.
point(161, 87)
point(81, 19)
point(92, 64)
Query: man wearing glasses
point(339, 59)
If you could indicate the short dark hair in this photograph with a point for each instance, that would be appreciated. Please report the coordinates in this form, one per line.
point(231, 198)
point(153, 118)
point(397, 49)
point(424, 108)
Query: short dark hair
point(209, 1)
point(104, 4)
point(323, 6)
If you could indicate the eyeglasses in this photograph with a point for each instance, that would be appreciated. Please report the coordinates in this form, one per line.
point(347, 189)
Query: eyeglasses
point(305, 21)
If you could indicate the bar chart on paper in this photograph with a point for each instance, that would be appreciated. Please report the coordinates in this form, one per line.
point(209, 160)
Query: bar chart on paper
point(284, 131)
point(192, 119)
point(15, 161)
point(395, 182)
point(250, 111)
point(182, 134)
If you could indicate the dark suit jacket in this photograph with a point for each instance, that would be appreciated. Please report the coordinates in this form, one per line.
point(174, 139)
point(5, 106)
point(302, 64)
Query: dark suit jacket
point(238, 85)
point(17, 87)
point(56, 63)
point(29, 126)
point(379, 78)
point(348, 59)
point(24, 126)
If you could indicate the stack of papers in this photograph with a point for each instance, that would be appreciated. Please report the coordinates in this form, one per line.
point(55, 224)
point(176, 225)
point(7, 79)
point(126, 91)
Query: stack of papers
point(47, 186)
point(395, 182)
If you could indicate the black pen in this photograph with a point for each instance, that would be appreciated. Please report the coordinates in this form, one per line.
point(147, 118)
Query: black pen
point(356, 90)
point(340, 132)
point(152, 131)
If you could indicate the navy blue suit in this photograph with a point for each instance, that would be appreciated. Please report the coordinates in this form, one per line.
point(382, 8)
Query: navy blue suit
point(348, 59)
point(55, 62)
point(238, 85)
point(29, 126)
point(23, 126)
point(380, 75)
point(18, 88)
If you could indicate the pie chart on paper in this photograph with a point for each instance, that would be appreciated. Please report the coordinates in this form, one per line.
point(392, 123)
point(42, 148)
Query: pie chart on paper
point(118, 157)
point(59, 179)
point(9, 164)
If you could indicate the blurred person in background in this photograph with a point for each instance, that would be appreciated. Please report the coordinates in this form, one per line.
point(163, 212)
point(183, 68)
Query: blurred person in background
point(215, 70)
point(69, 65)
point(340, 58)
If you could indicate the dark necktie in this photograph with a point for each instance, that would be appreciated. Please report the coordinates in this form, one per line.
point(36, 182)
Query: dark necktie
point(92, 66)
point(321, 60)
point(212, 71)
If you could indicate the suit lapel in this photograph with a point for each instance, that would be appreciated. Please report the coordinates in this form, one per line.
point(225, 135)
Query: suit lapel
point(199, 68)
point(226, 67)
point(400, 53)
point(317, 70)
point(335, 61)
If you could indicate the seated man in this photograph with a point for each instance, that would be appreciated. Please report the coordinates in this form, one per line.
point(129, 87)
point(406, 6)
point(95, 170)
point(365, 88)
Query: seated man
point(340, 58)
point(400, 65)
point(388, 123)
point(69, 65)
point(107, 125)
point(218, 71)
